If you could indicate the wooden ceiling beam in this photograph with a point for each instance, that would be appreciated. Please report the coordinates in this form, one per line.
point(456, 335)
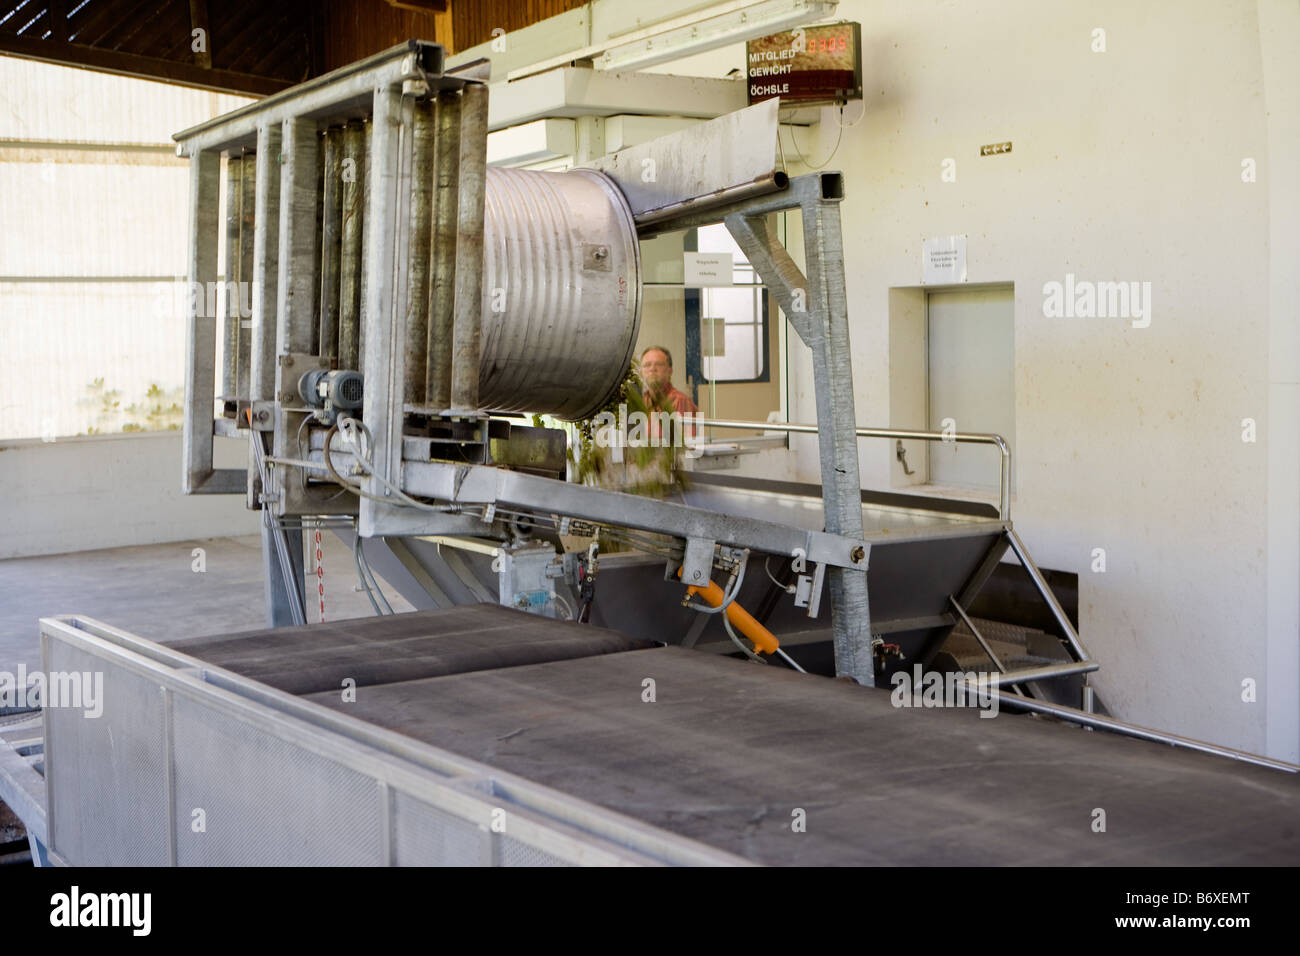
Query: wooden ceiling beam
point(142, 67)
point(419, 6)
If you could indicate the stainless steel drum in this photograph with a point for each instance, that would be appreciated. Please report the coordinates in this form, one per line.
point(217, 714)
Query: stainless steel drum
point(561, 292)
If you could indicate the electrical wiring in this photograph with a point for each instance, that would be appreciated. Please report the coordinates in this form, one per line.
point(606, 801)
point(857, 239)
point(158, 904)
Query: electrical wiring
point(804, 159)
point(727, 597)
point(735, 639)
point(856, 121)
point(359, 551)
point(787, 588)
point(361, 575)
point(328, 466)
point(370, 470)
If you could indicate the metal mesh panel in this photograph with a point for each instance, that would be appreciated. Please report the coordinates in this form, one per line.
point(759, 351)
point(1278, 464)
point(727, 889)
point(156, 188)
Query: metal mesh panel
point(110, 802)
point(266, 801)
point(517, 853)
point(425, 836)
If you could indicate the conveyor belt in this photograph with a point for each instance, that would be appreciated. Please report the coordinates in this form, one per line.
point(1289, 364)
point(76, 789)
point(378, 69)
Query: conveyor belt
point(729, 750)
point(402, 647)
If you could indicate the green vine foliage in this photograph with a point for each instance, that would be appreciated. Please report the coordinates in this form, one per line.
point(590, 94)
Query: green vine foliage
point(157, 410)
point(648, 470)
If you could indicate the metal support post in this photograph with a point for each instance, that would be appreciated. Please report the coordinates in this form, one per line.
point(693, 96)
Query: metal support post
point(385, 363)
point(443, 281)
point(469, 249)
point(817, 308)
point(199, 476)
point(331, 238)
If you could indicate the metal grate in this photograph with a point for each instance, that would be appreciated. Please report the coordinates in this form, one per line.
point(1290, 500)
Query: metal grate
point(517, 853)
point(109, 772)
point(426, 836)
point(266, 801)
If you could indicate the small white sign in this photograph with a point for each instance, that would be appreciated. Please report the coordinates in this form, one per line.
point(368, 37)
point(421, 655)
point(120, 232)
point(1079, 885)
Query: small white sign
point(708, 269)
point(943, 260)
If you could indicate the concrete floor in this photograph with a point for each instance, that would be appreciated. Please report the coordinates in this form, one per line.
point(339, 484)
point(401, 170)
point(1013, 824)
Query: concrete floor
point(154, 591)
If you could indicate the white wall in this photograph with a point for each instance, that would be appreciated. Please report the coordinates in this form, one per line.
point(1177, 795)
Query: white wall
point(1126, 165)
point(1279, 34)
point(79, 494)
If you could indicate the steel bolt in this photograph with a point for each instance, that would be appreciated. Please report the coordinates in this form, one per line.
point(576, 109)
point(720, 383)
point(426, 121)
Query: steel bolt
point(600, 253)
point(857, 554)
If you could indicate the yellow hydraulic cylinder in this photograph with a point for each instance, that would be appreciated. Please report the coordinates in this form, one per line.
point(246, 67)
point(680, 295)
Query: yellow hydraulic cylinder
point(763, 639)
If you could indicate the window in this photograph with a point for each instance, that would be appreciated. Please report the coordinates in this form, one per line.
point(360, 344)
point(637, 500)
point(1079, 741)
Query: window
point(731, 322)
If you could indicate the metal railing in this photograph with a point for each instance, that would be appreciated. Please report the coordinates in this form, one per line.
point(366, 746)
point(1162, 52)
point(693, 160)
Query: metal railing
point(975, 438)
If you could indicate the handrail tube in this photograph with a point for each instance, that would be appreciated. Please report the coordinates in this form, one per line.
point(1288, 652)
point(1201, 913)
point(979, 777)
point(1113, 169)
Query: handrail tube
point(976, 438)
point(1076, 716)
point(1054, 605)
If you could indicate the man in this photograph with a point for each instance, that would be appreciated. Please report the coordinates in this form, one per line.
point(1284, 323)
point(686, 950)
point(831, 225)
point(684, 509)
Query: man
point(657, 374)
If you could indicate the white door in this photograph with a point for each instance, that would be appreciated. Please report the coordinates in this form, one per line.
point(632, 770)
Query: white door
point(972, 381)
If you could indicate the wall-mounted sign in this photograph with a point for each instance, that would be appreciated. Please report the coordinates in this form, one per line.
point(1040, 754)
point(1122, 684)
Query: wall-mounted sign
point(708, 269)
point(943, 260)
point(820, 64)
point(994, 149)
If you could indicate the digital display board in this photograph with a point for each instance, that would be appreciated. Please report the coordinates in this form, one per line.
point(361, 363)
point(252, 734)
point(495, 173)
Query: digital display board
point(821, 64)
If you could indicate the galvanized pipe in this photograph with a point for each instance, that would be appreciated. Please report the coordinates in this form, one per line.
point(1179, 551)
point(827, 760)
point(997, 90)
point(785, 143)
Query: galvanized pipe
point(344, 92)
point(266, 265)
point(978, 636)
point(1046, 672)
point(418, 265)
point(247, 228)
point(1133, 730)
point(761, 186)
point(466, 331)
point(442, 292)
point(318, 241)
point(298, 287)
point(368, 127)
point(352, 178)
point(331, 242)
point(1040, 583)
point(230, 334)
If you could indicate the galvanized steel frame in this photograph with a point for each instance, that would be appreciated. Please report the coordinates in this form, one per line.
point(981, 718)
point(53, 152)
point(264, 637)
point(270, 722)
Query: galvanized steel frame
point(394, 283)
point(283, 260)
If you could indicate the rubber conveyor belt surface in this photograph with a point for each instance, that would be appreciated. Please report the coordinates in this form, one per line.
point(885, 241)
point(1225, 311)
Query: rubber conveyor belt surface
point(402, 647)
point(729, 750)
